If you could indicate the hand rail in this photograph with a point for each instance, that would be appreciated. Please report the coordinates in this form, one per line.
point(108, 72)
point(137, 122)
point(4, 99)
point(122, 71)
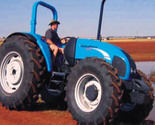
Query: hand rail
point(34, 14)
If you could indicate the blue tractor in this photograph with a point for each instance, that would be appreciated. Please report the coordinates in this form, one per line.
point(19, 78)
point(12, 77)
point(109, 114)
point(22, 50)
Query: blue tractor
point(99, 81)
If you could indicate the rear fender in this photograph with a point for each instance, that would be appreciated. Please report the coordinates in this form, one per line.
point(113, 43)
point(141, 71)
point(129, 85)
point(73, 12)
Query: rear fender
point(42, 45)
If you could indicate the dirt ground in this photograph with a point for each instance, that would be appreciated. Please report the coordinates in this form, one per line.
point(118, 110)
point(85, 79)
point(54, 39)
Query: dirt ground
point(40, 114)
point(139, 51)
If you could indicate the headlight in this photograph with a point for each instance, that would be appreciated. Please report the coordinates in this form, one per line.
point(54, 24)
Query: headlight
point(133, 70)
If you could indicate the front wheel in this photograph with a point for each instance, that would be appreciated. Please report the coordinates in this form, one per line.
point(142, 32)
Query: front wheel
point(93, 91)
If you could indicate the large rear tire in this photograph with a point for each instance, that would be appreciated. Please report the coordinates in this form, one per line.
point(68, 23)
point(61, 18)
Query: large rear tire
point(93, 92)
point(21, 72)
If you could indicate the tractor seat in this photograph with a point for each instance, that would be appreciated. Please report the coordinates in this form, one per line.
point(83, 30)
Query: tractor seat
point(69, 51)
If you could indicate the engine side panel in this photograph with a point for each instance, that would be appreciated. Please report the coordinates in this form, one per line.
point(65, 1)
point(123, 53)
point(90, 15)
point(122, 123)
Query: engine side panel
point(93, 48)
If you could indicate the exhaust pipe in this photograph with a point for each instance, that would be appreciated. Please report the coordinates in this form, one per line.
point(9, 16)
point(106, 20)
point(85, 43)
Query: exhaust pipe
point(100, 20)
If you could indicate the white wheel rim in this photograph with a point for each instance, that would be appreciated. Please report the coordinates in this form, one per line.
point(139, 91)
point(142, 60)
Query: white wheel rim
point(82, 85)
point(11, 73)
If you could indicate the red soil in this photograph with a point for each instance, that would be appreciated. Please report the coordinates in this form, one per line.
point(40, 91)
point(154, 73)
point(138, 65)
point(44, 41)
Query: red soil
point(139, 51)
point(39, 116)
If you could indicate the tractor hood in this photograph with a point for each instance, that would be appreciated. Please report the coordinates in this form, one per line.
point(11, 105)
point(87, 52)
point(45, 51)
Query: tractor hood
point(111, 53)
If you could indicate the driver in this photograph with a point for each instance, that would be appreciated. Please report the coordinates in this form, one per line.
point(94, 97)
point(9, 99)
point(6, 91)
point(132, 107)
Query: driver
point(53, 39)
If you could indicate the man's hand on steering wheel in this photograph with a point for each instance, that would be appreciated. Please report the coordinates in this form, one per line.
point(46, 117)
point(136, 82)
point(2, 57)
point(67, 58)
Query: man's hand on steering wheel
point(65, 40)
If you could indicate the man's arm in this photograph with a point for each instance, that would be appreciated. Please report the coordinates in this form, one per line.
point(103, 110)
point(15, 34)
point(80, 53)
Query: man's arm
point(52, 45)
point(48, 36)
point(50, 42)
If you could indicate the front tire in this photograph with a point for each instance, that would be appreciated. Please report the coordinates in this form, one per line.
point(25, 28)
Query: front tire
point(21, 72)
point(93, 92)
point(137, 113)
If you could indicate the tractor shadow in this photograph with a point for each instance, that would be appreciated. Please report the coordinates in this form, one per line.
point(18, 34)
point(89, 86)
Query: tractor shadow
point(145, 122)
point(42, 106)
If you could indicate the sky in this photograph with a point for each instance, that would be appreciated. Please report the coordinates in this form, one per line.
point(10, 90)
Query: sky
point(79, 18)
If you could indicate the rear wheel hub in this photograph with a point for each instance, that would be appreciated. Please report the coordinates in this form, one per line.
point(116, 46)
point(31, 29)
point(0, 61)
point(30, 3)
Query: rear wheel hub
point(12, 71)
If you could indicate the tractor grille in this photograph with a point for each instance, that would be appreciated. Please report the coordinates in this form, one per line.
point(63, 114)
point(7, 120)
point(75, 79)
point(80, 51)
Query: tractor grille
point(120, 65)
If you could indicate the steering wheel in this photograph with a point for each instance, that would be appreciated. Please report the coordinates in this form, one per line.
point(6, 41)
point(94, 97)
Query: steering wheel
point(66, 38)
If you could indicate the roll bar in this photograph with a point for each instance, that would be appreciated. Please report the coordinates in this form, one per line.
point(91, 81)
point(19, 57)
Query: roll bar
point(34, 14)
point(100, 20)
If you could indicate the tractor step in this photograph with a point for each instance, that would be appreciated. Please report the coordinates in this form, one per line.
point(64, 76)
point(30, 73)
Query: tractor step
point(56, 81)
point(54, 92)
point(58, 74)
